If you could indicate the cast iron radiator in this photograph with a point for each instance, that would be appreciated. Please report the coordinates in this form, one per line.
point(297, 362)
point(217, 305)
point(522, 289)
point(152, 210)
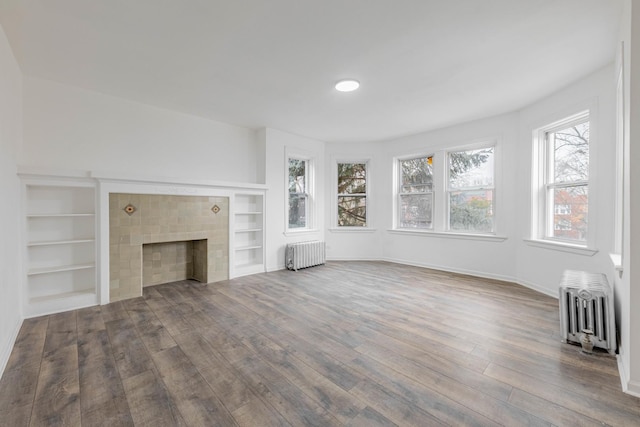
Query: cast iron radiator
point(586, 303)
point(304, 254)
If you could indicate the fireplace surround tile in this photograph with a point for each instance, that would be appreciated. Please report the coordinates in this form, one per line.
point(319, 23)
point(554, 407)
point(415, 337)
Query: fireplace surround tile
point(158, 219)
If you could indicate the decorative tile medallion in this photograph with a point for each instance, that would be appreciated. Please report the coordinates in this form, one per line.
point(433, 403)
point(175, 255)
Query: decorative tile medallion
point(215, 209)
point(129, 209)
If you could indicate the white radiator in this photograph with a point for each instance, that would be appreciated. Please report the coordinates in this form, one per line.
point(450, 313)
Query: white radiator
point(586, 302)
point(304, 254)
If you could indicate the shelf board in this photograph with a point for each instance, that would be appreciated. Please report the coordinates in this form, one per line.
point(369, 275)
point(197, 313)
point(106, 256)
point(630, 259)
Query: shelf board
point(250, 265)
point(59, 269)
point(62, 215)
point(248, 248)
point(60, 242)
point(60, 296)
point(248, 230)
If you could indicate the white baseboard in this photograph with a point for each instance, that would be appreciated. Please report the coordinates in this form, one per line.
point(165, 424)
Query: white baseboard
point(8, 347)
point(352, 259)
point(271, 269)
point(475, 273)
point(628, 386)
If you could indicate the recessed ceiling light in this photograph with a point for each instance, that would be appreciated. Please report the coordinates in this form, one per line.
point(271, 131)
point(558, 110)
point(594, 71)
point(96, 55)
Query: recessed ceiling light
point(347, 85)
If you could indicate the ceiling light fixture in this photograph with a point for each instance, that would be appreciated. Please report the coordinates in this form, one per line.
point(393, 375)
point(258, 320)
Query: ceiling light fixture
point(348, 85)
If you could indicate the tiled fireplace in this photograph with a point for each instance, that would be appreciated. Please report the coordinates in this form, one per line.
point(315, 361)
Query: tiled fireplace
point(156, 239)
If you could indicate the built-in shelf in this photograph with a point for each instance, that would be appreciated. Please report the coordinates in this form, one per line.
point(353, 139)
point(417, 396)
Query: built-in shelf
point(62, 295)
point(248, 232)
point(61, 242)
point(62, 215)
point(58, 269)
point(60, 223)
point(248, 248)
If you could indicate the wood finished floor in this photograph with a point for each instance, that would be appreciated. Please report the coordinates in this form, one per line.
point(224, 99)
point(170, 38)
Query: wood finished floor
point(348, 343)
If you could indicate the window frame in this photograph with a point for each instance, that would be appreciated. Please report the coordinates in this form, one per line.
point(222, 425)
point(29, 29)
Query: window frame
point(448, 189)
point(366, 194)
point(308, 194)
point(399, 193)
point(542, 223)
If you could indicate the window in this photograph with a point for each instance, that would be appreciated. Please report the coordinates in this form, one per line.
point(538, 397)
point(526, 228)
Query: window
point(298, 193)
point(415, 192)
point(352, 194)
point(471, 190)
point(565, 180)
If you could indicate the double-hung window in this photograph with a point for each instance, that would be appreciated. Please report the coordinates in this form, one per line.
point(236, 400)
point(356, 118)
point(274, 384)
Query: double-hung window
point(565, 183)
point(352, 194)
point(471, 190)
point(298, 193)
point(415, 192)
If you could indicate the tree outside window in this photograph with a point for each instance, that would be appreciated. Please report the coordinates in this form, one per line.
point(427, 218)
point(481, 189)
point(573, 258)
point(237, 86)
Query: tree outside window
point(567, 181)
point(298, 193)
point(471, 190)
point(352, 194)
point(416, 193)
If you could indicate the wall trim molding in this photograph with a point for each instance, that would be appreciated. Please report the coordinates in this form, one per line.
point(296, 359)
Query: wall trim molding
point(6, 351)
point(628, 386)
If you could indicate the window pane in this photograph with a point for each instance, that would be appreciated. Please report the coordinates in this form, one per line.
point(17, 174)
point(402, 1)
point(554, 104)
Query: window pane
point(416, 210)
point(297, 176)
point(571, 153)
point(352, 211)
point(297, 211)
point(471, 168)
point(471, 210)
point(352, 178)
point(416, 175)
point(570, 205)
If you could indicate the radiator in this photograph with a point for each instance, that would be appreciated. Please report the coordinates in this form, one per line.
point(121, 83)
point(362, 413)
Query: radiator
point(586, 302)
point(304, 254)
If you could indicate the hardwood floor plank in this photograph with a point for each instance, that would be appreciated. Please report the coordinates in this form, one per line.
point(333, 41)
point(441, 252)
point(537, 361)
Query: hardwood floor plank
point(17, 417)
point(369, 417)
point(29, 344)
point(149, 401)
point(18, 386)
point(61, 332)
point(57, 400)
point(255, 412)
point(591, 407)
point(101, 390)
point(393, 406)
point(347, 343)
point(130, 354)
point(90, 320)
point(554, 413)
point(225, 381)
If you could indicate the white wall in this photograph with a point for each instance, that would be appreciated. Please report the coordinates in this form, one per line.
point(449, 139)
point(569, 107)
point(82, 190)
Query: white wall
point(70, 128)
point(479, 257)
point(277, 144)
point(10, 141)
point(542, 267)
point(511, 258)
point(352, 244)
point(628, 286)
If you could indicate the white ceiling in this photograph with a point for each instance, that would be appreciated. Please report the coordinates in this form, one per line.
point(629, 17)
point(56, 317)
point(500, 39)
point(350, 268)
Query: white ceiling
point(422, 64)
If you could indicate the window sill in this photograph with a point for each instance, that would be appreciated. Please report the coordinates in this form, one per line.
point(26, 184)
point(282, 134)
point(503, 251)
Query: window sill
point(352, 230)
point(451, 235)
point(616, 260)
point(301, 232)
point(562, 247)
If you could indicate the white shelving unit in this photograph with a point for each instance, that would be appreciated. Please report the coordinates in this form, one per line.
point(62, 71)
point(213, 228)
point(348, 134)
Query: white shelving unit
point(60, 224)
point(248, 234)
